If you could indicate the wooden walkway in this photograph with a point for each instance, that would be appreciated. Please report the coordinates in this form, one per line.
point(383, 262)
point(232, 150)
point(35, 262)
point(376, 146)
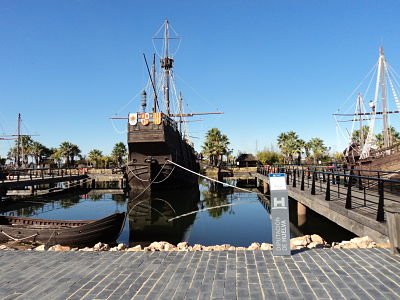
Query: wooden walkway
point(358, 207)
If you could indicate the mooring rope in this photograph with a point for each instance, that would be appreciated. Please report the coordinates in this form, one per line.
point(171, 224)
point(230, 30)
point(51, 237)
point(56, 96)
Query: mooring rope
point(147, 180)
point(18, 240)
point(211, 179)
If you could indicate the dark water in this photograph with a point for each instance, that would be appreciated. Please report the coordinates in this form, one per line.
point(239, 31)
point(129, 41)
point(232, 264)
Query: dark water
point(239, 219)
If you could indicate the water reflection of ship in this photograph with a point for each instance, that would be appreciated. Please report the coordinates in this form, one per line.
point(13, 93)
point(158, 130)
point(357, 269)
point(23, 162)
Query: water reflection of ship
point(149, 214)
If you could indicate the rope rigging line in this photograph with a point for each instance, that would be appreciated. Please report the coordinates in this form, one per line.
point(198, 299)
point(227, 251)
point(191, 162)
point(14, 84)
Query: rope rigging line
point(211, 179)
point(146, 180)
point(128, 103)
point(16, 239)
point(357, 87)
point(396, 98)
point(140, 194)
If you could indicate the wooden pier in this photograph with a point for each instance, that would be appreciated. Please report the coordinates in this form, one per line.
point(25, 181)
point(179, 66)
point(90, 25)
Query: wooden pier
point(30, 182)
point(353, 199)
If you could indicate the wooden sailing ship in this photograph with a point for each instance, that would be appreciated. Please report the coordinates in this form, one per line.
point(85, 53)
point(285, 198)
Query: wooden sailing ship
point(366, 152)
point(63, 232)
point(157, 141)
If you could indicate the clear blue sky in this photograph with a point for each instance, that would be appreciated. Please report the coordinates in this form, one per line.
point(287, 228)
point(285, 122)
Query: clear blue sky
point(270, 66)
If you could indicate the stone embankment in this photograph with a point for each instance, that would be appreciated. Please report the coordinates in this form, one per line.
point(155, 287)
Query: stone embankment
point(298, 243)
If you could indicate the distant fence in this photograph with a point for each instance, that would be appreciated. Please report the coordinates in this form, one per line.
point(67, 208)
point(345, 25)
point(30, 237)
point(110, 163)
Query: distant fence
point(30, 174)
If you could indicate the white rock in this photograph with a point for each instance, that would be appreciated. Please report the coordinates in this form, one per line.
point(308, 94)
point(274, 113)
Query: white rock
point(156, 246)
point(300, 242)
point(59, 248)
point(98, 246)
point(362, 242)
point(134, 249)
point(40, 248)
point(254, 246)
point(121, 247)
point(169, 247)
point(266, 246)
point(182, 246)
point(86, 249)
point(317, 239)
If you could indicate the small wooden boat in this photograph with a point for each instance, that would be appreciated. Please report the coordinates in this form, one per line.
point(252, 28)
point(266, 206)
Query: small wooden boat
point(63, 232)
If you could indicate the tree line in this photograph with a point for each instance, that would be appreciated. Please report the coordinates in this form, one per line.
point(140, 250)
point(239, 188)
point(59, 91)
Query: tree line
point(292, 149)
point(31, 152)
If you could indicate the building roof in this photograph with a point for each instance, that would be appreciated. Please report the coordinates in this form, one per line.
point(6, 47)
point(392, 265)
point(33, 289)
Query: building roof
point(246, 157)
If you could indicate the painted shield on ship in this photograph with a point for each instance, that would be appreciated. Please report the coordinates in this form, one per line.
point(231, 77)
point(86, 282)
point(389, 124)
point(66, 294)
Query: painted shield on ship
point(132, 118)
point(157, 118)
point(145, 119)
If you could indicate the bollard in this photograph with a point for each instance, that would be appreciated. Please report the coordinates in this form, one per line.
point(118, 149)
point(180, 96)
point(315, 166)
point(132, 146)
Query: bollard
point(393, 223)
point(313, 184)
point(380, 217)
point(294, 178)
point(348, 197)
point(328, 189)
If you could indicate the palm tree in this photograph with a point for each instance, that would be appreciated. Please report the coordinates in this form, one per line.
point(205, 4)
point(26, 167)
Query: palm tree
point(69, 151)
point(35, 150)
point(318, 148)
point(215, 145)
point(394, 137)
point(119, 153)
point(356, 136)
point(289, 144)
point(95, 156)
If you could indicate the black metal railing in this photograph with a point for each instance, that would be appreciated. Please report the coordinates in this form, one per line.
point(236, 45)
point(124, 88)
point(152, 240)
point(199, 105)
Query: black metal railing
point(369, 189)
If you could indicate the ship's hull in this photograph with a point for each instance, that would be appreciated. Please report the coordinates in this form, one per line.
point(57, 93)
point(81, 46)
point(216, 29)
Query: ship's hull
point(152, 148)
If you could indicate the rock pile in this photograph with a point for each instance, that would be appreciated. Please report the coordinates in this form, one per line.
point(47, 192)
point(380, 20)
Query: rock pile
point(358, 242)
point(308, 241)
point(298, 243)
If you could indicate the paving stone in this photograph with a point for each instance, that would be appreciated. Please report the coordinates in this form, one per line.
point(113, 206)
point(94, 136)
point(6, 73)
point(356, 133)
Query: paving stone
point(322, 273)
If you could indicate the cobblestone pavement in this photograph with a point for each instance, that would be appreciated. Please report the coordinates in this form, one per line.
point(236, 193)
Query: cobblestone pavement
point(314, 274)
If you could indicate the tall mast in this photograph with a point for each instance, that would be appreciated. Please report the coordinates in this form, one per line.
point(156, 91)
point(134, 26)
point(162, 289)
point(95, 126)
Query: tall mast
point(386, 135)
point(154, 80)
point(181, 112)
point(360, 104)
point(166, 64)
point(19, 140)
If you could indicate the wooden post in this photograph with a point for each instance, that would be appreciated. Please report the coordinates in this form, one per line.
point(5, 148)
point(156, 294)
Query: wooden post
point(265, 186)
point(32, 190)
point(393, 223)
point(93, 183)
point(302, 180)
point(301, 214)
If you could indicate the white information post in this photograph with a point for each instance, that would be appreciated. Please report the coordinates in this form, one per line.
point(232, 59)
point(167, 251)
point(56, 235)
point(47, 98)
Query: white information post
point(279, 214)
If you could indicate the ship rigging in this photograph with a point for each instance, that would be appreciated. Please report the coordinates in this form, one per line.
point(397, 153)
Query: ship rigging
point(366, 147)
